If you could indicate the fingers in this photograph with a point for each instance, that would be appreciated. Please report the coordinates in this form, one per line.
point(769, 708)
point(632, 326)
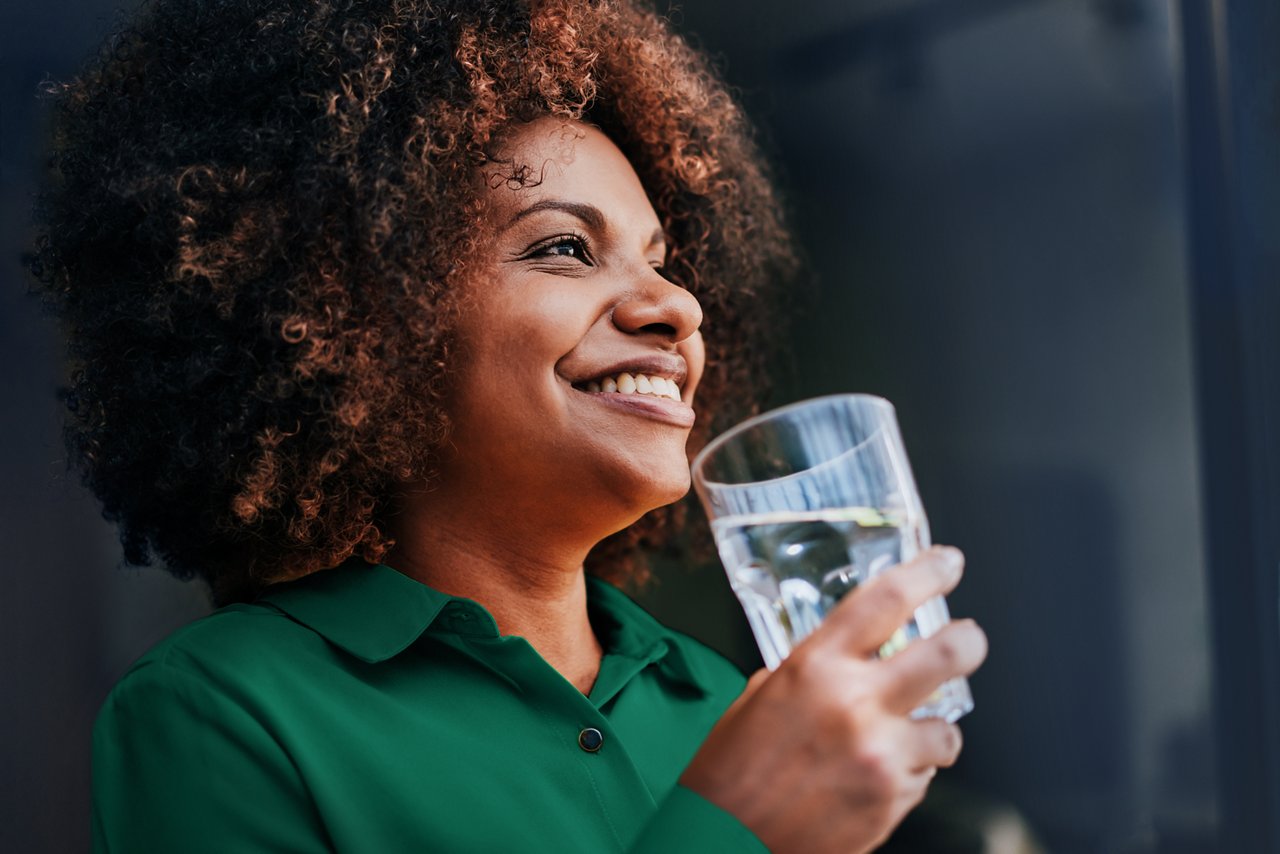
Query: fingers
point(914, 673)
point(869, 615)
point(936, 744)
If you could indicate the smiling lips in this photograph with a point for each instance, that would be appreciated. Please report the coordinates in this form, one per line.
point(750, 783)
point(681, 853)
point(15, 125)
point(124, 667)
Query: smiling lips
point(638, 384)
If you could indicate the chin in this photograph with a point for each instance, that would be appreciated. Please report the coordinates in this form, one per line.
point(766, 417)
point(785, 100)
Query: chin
point(623, 493)
point(669, 491)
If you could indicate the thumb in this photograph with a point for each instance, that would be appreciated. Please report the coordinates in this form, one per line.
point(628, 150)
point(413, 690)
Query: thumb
point(753, 685)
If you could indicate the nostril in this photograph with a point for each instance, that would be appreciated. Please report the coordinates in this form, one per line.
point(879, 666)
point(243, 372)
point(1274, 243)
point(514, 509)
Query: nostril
point(659, 328)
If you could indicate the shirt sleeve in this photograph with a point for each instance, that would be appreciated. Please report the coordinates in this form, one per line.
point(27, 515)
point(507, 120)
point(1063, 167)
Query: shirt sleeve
point(179, 766)
point(686, 823)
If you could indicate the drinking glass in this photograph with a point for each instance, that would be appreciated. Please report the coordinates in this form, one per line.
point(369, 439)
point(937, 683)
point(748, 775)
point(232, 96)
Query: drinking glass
point(807, 502)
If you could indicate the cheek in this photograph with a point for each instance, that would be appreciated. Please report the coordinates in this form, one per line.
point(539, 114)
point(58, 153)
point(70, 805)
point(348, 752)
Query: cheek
point(521, 331)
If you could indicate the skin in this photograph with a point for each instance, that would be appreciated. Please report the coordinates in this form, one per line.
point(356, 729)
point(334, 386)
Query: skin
point(821, 755)
point(540, 471)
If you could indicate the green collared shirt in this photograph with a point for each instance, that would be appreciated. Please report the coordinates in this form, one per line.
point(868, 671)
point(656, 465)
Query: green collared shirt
point(357, 710)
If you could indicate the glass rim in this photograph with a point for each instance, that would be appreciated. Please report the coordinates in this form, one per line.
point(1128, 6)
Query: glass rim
point(756, 420)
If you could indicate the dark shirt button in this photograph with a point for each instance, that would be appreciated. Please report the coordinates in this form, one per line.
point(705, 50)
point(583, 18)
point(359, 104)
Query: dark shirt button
point(590, 739)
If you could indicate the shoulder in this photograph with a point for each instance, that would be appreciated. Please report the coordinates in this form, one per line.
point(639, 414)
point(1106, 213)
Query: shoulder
point(190, 748)
point(235, 646)
point(234, 635)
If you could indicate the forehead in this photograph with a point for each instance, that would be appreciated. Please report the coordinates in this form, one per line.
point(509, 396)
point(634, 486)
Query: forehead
point(568, 161)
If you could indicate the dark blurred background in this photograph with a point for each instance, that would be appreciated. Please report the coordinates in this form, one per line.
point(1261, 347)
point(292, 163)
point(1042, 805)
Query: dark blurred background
point(993, 196)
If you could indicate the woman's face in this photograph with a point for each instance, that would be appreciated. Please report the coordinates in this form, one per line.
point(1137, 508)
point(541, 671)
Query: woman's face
point(579, 359)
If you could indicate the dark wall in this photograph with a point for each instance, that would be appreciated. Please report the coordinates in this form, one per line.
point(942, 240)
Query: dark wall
point(989, 193)
point(70, 621)
point(991, 196)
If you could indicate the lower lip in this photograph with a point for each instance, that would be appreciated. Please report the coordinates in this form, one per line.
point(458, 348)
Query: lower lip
point(668, 411)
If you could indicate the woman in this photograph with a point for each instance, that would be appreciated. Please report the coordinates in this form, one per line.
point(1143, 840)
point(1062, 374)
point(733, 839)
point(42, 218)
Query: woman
point(387, 318)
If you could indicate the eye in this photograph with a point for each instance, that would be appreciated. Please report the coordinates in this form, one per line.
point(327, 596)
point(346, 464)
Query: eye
point(562, 246)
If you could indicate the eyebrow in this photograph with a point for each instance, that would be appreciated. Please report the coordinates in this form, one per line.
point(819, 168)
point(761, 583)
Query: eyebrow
point(590, 215)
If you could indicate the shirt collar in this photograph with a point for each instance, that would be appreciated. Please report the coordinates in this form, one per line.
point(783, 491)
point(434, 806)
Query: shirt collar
point(375, 612)
point(369, 610)
point(624, 628)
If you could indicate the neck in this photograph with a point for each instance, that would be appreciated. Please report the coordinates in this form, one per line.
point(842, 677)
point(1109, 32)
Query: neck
point(533, 585)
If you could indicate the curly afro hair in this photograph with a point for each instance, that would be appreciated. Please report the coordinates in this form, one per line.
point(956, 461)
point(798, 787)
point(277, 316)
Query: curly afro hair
point(257, 216)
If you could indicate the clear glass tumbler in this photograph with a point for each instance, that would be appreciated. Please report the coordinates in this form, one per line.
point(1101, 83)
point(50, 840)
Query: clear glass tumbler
point(807, 502)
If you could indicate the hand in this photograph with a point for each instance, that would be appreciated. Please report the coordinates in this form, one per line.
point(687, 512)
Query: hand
point(821, 755)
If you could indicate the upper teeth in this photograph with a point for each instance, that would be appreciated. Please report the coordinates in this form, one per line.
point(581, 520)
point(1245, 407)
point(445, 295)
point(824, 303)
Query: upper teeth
point(636, 384)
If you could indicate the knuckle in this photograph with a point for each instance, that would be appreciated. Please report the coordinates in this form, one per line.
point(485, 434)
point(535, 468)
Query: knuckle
point(792, 676)
point(805, 664)
point(836, 725)
point(947, 648)
point(952, 743)
point(890, 596)
point(876, 769)
point(832, 710)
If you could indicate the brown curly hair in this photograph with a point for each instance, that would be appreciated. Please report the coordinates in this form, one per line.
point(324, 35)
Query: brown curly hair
point(256, 220)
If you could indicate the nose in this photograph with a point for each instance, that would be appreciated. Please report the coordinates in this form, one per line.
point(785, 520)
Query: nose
point(660, 307)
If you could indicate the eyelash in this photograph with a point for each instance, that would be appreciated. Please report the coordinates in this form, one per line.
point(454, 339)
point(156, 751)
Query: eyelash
point(583, 247)
point(578, 241)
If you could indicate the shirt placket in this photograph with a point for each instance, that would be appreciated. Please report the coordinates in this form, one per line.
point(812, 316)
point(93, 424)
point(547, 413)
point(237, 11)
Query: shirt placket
point(573, 721)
